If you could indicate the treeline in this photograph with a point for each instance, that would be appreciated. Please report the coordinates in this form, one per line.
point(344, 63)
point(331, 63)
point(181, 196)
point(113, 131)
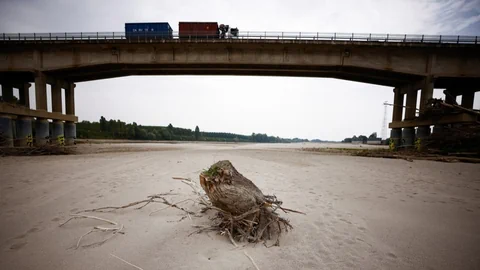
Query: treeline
point(362, 138)
point(116, 129)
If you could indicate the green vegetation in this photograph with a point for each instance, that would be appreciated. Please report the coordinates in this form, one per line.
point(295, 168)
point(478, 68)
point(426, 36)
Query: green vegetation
point(362, 138)
point(116, 129)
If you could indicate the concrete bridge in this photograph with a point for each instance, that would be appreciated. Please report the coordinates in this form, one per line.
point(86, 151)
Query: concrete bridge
point(406, 63)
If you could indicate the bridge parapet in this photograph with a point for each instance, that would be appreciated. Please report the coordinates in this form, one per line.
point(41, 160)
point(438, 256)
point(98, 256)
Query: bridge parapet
point(244, 35)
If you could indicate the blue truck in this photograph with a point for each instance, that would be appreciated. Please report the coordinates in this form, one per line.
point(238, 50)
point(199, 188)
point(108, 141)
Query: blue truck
point(151, 30)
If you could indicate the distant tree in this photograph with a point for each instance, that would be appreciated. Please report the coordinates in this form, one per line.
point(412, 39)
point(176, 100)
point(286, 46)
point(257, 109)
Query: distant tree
point(151, 136)
point(373, 135)
point(363, 138)
point(166, 134)
point(197, 133)
point(130, 130)
point(158, 134)
point(347, 140)
point(142, 134)
point(103, 124)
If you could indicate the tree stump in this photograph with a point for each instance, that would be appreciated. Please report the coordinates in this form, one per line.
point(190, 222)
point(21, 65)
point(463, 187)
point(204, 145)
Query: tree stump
point(246, 213)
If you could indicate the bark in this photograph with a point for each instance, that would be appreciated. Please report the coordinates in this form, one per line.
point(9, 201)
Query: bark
point(229, 190)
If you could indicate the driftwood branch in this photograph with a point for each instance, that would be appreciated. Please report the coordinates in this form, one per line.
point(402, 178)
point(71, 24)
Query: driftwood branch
point(113, 230)
point(131, 264)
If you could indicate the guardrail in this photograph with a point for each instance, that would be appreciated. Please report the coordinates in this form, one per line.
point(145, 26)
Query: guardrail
point(146, 36)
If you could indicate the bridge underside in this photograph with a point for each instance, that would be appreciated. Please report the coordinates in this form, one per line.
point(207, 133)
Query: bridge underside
point(363, 75)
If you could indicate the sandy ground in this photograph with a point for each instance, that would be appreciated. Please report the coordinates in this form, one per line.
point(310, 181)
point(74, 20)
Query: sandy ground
point(362, 213)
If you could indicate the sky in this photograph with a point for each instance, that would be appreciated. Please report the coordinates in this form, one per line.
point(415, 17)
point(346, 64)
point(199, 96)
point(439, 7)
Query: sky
point(311, 108)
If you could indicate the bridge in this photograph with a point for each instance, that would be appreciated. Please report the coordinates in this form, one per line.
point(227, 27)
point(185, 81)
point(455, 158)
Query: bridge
point(407, 63)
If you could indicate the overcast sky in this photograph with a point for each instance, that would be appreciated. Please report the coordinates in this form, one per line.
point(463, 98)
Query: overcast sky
point(310, 108)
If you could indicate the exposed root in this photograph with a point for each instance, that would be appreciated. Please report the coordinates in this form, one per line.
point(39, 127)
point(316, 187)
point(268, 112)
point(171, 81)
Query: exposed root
point(113, 230)
point(157, 198)
point(256, 225)
point(251, 259)
point(131, 264)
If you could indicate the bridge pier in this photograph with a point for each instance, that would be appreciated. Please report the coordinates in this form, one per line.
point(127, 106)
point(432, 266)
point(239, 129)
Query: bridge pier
point(6, 130)
point(70, 127)
point(7, 92)
point(422, 122)
point(42, 132)
point(57, 125)
point(70, 133)
point(396, 133)
point(16, 119)
point(24, 94)
point(57, 132)
point(408, 137)
point(24, 131)
point(468, 97)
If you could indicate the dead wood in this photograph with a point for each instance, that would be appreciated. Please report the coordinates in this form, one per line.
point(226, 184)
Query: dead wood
point(246, 214)
point(114, 230)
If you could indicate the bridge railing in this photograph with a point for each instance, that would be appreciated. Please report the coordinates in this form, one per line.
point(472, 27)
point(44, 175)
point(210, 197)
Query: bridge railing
point(149, 37)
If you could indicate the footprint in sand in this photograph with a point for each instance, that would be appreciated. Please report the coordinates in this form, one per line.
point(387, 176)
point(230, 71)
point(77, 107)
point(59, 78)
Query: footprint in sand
point(362, 229)
point(21, 236)
point(349, 241)
point(18, 246)
point(56, 219)
point(32, 230)
point(346, 221)
point(391, 255)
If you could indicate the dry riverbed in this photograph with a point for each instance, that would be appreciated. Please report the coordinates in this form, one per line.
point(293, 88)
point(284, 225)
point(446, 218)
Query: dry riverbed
point(362, 213)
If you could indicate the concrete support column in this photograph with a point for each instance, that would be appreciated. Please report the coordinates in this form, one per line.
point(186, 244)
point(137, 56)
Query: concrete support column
point(24, 93)
point(70, 99)
point(41, 91)
point(410, 111)
point(438, 130)
point(6, 130)
point(24, 131)
point(397, 105)
point(7, 92)
point(70, 133)
point(426, 93)
point(41, 132)
point(408, 137)
point(58, 136)
point(56, 98)
point(396, 136)
point(423, 133)
point(70, 127)
point(467, 99)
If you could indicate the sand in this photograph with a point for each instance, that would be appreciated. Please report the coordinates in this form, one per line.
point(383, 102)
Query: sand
point(362, 213)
